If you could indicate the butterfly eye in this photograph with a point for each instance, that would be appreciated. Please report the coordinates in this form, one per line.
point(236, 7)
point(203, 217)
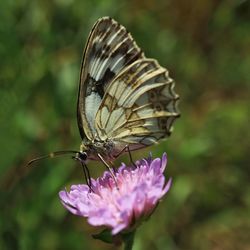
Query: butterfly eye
point(82, 156)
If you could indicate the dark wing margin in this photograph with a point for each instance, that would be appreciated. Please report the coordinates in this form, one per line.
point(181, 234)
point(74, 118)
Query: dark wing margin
point(109, 49)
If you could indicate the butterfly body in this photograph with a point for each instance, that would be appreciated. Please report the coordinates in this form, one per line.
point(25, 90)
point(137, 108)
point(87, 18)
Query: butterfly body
point(126, 101)
point(92, 149)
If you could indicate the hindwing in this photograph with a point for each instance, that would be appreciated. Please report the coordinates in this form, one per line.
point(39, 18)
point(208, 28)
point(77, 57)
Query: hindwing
point(139, 106)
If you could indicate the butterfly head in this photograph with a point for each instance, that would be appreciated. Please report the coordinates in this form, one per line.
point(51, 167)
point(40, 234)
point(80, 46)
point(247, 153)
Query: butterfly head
point(81, 156)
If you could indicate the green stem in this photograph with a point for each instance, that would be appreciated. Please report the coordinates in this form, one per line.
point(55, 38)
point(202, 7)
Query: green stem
point(128, 240)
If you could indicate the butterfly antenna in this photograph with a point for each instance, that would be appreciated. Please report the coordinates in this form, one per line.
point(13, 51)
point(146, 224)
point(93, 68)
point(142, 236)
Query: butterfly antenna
point(52, 155)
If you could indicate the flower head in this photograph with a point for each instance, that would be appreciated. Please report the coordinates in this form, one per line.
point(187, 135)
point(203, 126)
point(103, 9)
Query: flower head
point(123, 203)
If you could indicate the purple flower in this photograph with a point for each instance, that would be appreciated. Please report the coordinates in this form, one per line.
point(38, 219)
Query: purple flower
point(124, 204)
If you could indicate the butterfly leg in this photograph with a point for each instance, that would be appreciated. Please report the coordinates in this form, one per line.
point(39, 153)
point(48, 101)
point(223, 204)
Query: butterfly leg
point(86, 173)
point(108, 167)
point(112, 165)
point(130, 156)
point(126, 149)
point(87, 176)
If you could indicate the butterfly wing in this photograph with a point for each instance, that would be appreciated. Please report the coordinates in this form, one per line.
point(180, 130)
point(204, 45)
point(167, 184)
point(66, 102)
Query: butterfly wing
point(139, 106)
point(109, 49)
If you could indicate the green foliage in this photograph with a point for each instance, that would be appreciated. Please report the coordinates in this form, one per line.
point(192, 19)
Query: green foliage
point(104, 235)
point(205, 46)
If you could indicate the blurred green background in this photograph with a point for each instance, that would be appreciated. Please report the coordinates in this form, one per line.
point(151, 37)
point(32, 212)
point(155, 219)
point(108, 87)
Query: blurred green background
point(206, 47)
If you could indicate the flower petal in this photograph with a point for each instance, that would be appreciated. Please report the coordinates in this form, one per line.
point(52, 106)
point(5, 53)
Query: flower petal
point(122, 203)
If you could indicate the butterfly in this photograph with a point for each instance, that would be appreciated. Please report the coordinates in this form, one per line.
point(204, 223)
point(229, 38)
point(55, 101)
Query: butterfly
point(126, 101)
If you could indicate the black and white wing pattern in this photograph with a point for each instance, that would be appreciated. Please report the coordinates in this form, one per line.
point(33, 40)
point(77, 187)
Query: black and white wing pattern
point(109, 49)
point(125, 100)
point(139, 106)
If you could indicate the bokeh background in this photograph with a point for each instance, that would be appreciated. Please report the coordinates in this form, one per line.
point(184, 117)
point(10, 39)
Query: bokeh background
point(206, 47)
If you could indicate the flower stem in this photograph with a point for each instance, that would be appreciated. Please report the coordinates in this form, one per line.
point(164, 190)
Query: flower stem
point(128, 240)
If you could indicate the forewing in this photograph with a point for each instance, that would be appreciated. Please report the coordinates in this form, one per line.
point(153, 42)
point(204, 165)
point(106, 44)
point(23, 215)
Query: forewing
point(109, 49)
point(139, 106)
